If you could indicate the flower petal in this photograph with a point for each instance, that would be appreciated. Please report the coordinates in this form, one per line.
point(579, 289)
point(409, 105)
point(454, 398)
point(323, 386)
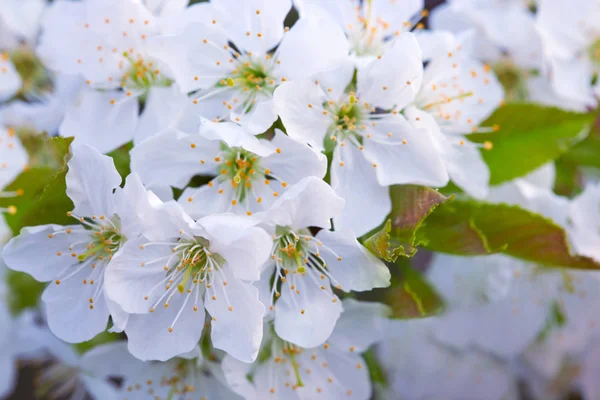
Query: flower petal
point(135, 273)
point(306, 315)
point(173, 157)
point(299, 104)
point(295, 160)
point(310, 202)
point(361, 325)
point(367, 202)
point(351, 265)
point(104, 120)
point(393, 80)
point(156, 335)
point(91, 180)
point(265, 26)
point(312, 46)
point(71, 316)
point(237, 316)
point(44, 264)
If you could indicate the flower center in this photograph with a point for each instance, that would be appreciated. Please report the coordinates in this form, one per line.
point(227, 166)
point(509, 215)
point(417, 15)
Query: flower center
point(105, 238)
point(290, 250)
point(190, 265)
point(347, 117)
point(240, 168)
point(241, 177)
point(142, 75)
point(196, 263)
point(297, 255)
point(251, 75)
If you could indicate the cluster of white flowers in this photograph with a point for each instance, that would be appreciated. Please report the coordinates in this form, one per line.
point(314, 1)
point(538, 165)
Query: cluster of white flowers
point(229, 262)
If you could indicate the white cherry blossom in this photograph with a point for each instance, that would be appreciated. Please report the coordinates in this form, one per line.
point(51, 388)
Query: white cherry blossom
point(370, 26)
point(373, 144)
point(249, 174)
point(572, 47)
point(297, 282)
point(74, 258)
point(180, 378)
point(108, 48)
point(167, 278)
point(456, 95)
point(334, 370)
point(225, 56)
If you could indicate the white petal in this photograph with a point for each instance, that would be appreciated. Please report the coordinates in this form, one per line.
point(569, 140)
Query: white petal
point(407, 157)
point(351, 265)
point(394, 79)
point(343, 12)
point(69, 312)
point(571, 78)
point(367, 202)
point(235, 136)
point(99, 388)
point(247, 255)
point(336, 80)
point(396, 13)
point(236, 373)
point(237, 324)
point(361, 325)
point(433, 43)
point(348, 372)
point(271, 375)
point(312, 46)
point(10, 80)
point(193, 61)
point(91, 179)
point(240, 18)
point(299, 104)
point(259, 119)
point(136, 207)
point(44, 264)
point(104, 120)
point(173, 158)
point(128, 283)
point(467, 168)
point(321, 311)
point(206, 200)
point(459, 92)
point(166, 107)
point(225, 229)
point(149, 335)
point(295, 160)
point(14, 156)
point(118, 316)
point(310, 202)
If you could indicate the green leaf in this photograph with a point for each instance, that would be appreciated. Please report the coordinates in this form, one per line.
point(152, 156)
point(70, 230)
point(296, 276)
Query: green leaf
point(379, 244)
point(528, 137)
point(43, 197)
point(24, 291)
point(469, 227)
point(101, 338)
point(411, 205)
point(411, 296)
point(587, 152)
point(122, 159)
